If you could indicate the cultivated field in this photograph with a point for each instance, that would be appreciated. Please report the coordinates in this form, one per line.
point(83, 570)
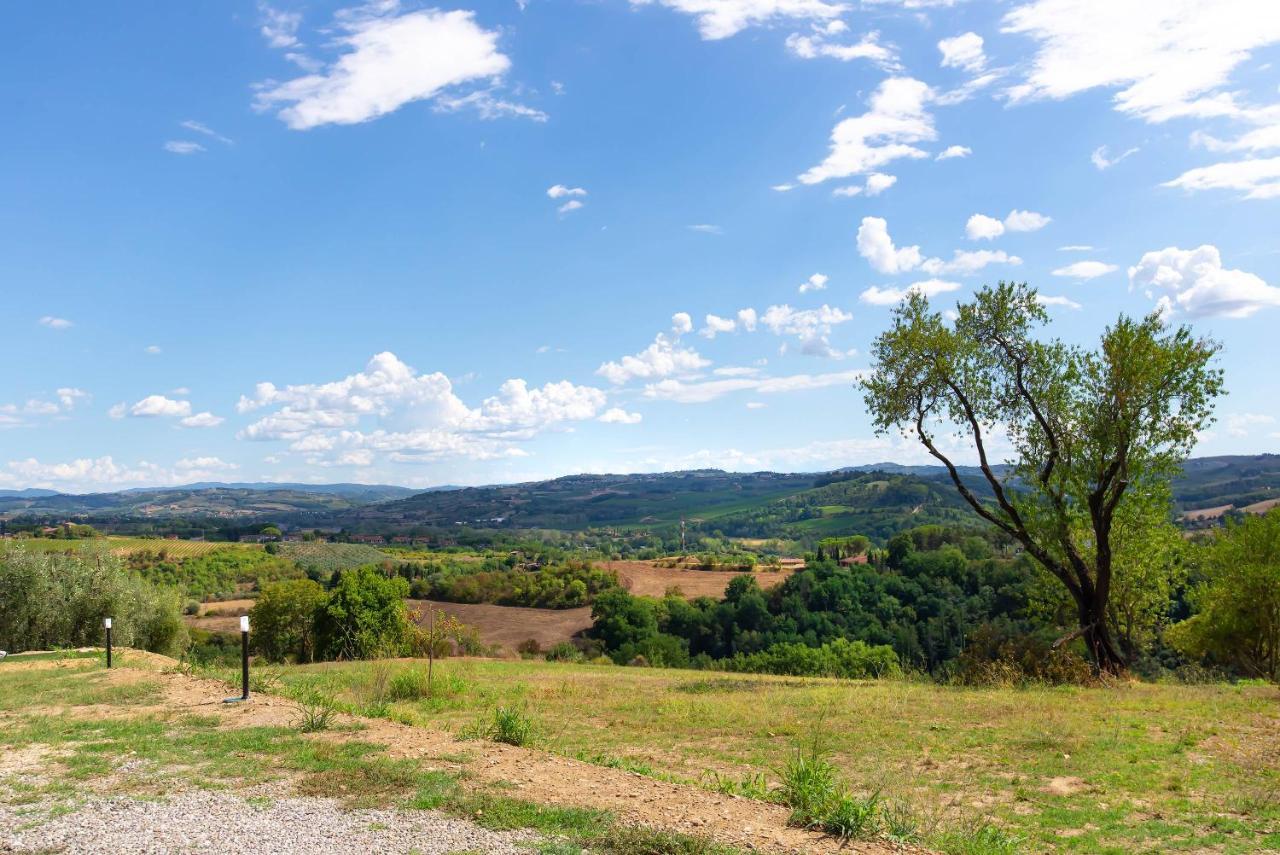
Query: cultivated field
point(645, 578)
point(508, 626)
point(130, 545)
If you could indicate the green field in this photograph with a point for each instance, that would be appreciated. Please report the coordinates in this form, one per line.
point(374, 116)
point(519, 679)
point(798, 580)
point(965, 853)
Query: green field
point(1139, 767)
point(130, 545)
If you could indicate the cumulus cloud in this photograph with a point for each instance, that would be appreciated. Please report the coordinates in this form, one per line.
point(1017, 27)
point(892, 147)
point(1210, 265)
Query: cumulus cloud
point(878, 182)
point(571, 205)
point(818, 43)
point(388, 59)
point(877, 296)
point(963, 52)
point(560, 191)
point(811, 327)
point(720, 19)
point(1085, 270)
point(1194, 282)
point(158, 406)
point(1065, 302)
point(954, 151)
point(33, 410)
point(278, 27)
point(982, 227)
point(748, 319)
point(619, 416)
point(201, 420)
point(816, 282)
point(890, 130)
point(716, 325)
point(702, 391)
point(877, 247)
point(105, 472)
point(388, 408)
point(664, 357)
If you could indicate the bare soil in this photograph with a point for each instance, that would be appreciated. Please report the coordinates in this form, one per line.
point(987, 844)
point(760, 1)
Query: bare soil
point(508, 626)
point(535, 775)
point(646, 579)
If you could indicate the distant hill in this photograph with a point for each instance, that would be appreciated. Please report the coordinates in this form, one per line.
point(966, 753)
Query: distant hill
point(870, 500)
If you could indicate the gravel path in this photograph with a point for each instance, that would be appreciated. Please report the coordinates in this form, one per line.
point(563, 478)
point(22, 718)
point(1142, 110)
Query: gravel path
point(208, 822)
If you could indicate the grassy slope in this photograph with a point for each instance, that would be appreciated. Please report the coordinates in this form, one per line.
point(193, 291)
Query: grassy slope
point(1136, 768)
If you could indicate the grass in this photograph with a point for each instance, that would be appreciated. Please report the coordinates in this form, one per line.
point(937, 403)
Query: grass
point(148, 755)
point(1138, 767)
point(127, 545)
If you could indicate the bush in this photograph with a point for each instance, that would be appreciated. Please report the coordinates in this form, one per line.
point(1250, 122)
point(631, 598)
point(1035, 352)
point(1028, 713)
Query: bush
point(409, 685)
point(837, 658)
point(994, 657)
point(50, 600)
point(364, 616)
point(284, 619)
point(529, 648)
point(508, 725)
point(564, 651)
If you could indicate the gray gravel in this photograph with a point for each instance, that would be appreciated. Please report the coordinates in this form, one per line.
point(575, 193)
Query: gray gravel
point(212, 822)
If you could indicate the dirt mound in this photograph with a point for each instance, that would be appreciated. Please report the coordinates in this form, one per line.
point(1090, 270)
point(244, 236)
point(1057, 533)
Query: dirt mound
point(646, 579)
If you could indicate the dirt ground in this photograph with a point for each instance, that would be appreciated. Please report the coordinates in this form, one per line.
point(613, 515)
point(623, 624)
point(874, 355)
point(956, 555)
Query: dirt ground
point(510, 625)
point(520, 772)
point(645, 579)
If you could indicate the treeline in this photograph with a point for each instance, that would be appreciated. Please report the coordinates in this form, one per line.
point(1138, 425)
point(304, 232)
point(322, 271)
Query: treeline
point(566, 586)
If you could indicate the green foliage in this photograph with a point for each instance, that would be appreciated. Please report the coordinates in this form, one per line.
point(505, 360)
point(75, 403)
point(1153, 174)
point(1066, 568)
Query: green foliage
point(316, 712)
point(508, 725)
point(564, 586)
point(811, 788)
point(284, 619)
point(837, 658)
point(322, 560)
point(52, 600)
point(1092, 430)
point(364, 617)
point(1237, 600)
point(216, 575)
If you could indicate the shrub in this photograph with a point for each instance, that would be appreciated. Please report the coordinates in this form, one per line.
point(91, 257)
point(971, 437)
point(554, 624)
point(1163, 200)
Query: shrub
point(408, 685)
point(564, 651)
point(284, 619)
point(315, 713)
point(507, 725)
point(529, 648)
point(59, 600)
point(994, 657)
point(364, 616)
point(837, 658)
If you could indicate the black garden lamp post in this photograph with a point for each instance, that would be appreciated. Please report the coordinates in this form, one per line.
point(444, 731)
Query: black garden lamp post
point(106, 624)
point(244, 662)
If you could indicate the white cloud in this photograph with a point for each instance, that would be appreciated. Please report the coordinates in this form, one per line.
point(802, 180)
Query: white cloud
point(201, 128)
point(183, 147)
point(1194, 282)
point(1086, 270)
point(816, 282)
point(810, 327)
point(68, 397)
point(756, 405)
point(571, 205)
point(619, 416)
point(279, 28)
point(487, 105)
point(877, 296)
point(1259, 139)
point(1076, 247)
point(158, 406)
point(982, 227)
point(964, 52)
point(1065, 302)
point(850, 190)
point(388, 60)
point(390, 409)
point(783, 188)
point(21, 415)
point(104, 473)
point(1239, 424)
point(1025, 221)
point(878, 182)
point(716, 325)
point(207, 464)
point(817, 44)
point(747, 318)
point(968, 263)
point(1259, 178)
point(661, 359)
point(1102, 158)
point(706, 229)
point(719, 19)
point(1165, 59)
point(152, 349)
point(875, 245)
point(55, 323)
point(702, 391)
point(118, 411)
point(953, 151)
point(896, 121)
point(559, 191)
point(202, 420)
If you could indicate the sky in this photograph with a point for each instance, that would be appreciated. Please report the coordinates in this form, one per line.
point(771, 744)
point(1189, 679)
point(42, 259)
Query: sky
point(510, 240)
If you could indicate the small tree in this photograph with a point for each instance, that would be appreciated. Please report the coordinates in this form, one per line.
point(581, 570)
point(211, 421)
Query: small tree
point(1237, 623)
point(365, 615)
point(434, 639)
point(1086, 427)
point(284, 619)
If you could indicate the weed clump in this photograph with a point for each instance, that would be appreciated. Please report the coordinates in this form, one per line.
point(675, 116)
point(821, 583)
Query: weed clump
point(507, 725)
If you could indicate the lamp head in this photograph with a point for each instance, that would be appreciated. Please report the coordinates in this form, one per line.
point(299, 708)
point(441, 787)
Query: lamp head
point(244, 623)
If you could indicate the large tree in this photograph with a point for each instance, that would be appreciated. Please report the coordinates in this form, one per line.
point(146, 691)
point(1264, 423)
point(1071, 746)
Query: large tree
point(1085, 431)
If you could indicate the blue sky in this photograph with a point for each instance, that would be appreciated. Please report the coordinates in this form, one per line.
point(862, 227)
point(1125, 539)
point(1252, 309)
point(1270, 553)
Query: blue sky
point(500, 241)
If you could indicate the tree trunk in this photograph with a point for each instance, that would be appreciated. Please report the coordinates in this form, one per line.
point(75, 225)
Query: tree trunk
point(1107, 658)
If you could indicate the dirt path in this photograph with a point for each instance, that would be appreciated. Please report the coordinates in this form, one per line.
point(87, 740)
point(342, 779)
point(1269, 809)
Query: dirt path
point(531, 775)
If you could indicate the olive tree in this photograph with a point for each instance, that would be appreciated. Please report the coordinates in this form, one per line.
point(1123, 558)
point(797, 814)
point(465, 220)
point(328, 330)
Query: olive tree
point(1086, 430)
